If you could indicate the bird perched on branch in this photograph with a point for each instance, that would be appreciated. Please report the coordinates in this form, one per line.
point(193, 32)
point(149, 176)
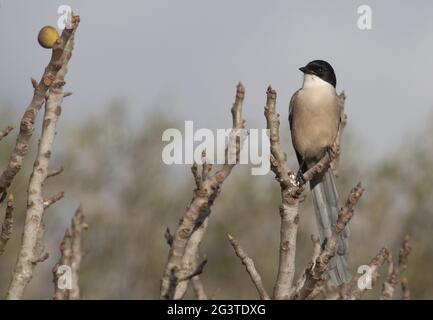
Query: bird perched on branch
point(314, 117)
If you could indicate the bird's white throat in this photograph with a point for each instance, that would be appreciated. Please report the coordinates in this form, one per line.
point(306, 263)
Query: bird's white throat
point(312, 81)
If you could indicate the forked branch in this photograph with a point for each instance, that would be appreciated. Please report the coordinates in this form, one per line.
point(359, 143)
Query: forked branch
point(51, 85)
point(395, 271)
point(60, 56)
point(315, 274)
point(192, 226)
point(356, 291)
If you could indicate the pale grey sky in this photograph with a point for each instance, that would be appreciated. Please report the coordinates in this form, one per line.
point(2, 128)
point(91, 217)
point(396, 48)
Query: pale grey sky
point(187, 56)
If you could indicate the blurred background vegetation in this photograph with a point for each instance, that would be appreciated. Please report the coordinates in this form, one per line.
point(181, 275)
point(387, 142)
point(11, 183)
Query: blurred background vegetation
point(130, 196)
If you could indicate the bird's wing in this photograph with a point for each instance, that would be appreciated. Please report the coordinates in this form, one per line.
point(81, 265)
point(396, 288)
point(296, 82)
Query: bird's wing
point(340, 109)
point(292, 101)
point(291, 104)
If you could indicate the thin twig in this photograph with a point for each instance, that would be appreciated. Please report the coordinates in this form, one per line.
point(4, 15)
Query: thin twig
point(168, 237)
point(71, 255)
point(198, 288)
point(8, 223)
point(356, 292)
point(62, 271)
point(55, 172)
point(395, 271)
point(405, 292)
point(404, 253)
point(53, 199)
point(6, 131)
point(251, 269)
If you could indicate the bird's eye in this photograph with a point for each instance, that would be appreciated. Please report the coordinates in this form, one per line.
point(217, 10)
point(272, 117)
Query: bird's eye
point(320, 70)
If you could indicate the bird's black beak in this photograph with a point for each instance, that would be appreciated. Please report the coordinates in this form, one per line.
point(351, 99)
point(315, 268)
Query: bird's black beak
point(306, 70)
point(303, 69)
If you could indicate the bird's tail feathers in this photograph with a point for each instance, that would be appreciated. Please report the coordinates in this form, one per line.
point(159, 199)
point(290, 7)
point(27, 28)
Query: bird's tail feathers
point(327, 206)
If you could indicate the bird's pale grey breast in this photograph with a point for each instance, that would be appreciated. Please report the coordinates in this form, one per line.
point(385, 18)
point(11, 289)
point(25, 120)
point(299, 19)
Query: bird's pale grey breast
point(314, 117)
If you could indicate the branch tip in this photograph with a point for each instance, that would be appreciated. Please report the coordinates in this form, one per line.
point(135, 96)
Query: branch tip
point(34, 83)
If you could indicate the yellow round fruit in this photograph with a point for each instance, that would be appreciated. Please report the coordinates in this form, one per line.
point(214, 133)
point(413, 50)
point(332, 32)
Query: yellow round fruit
point(48, 36)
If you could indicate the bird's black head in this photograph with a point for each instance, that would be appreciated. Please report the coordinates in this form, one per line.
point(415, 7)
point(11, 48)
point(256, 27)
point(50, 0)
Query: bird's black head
point(321, 69)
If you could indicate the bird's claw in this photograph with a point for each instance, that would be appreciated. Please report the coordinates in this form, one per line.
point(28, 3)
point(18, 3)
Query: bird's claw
point(300, 178)
point(331, 152)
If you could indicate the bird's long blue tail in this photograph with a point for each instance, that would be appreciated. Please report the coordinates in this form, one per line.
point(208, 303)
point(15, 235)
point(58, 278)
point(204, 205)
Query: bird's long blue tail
point(326, 206)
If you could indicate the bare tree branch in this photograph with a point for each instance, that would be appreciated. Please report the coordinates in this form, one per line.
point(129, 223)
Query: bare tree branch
point(61, 54)
point(198, 288)
point(355, 292)
point(191, 255)
point(330, 292)
point(77, 226)
point(199, 270)
point(316, 252)
point(404, 253)
point(71, 255)
point(6, 131)
point(319, 289)
point(251, 269)
point(53, 199)
point(208, 188)
point(197, 285)
point(405, 292)
point(333, 292)
point(168, 237)
point(58, 273)
point(55, 172)
point(8, 223)
point(315, 274)
point(394, 271)
point(28, 258)
point(289, 201)
point(278, 157)
point(39, 254)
